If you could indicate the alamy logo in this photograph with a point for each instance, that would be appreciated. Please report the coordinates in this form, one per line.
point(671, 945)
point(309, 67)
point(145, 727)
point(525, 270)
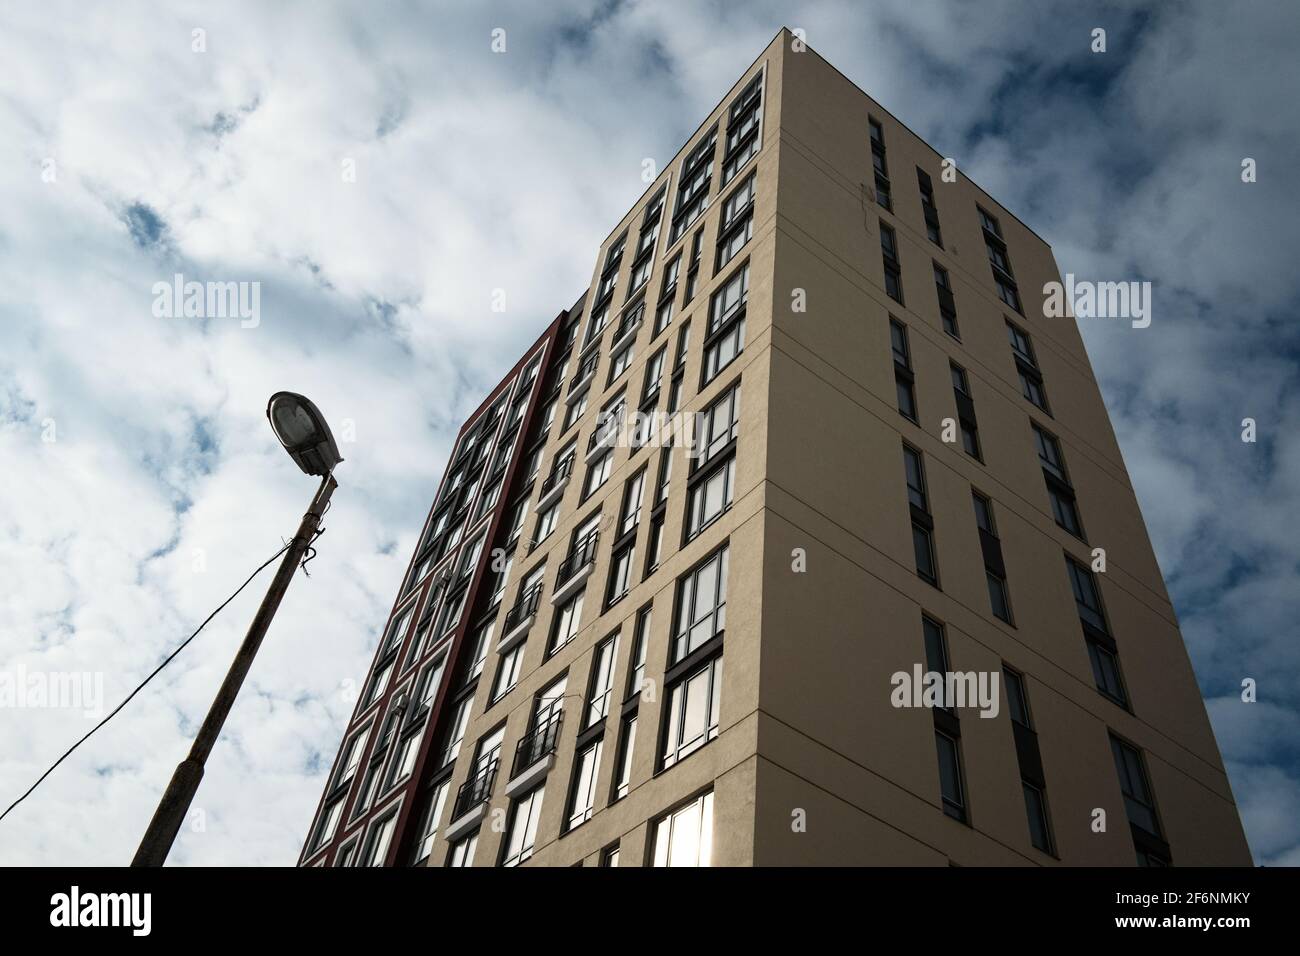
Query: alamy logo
point(103, 909)
point(208, 300)
point(22, 689)
point(957, 689)
point(1098, 300)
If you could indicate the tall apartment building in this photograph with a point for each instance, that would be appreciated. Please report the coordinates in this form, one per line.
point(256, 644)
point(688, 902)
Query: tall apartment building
point(612, 651)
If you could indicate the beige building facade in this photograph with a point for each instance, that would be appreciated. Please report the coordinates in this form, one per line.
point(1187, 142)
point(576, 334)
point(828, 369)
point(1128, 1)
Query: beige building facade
point(612, 651)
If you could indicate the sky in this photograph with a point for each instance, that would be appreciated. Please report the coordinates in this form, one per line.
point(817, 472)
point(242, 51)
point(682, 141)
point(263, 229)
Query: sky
point(386, 177)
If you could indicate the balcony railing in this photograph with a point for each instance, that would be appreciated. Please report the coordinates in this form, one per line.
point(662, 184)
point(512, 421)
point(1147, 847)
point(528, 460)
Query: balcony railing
point(629, 321)
point(604, 433)
point(476, 790)
point(538, 743)
point(563, 468)
point(524, 608)
point(585, 371)
point(583, 554)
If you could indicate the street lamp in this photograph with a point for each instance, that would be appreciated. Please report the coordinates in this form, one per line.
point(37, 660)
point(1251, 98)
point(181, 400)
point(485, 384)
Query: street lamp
point(301, 428)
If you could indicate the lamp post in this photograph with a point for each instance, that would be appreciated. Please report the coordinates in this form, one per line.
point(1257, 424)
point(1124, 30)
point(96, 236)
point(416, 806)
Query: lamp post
point(301, 428)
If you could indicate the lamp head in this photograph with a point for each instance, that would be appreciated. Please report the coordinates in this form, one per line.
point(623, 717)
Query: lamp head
point(303, 432)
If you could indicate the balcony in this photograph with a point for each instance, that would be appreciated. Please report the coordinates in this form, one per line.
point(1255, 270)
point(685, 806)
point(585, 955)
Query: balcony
point(519, 618)
point(627, 327)
point(582, 380)
point(575, 567)
point(535, 753)
point(604, 436)
point(555, 483)
point(472, 800)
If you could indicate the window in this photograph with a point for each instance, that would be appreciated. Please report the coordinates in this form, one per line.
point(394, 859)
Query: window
point(568, 620)
point(693, 266)
point(546, 521)
point(1105, 672)
point(518, 514)
point(718, 426)
point(620, 573)
point(970, 440)
point(576, 409)
point(726, 332)
point(619, 363)
point(664, 479)
point(683, 344)
point(400, 769)
point(936, 652)
point(999, 598)
point(350, 759)
point(667, 294)
point(1138, 800)
point(928, 209)
point(1017, 700)
point(950, 777)
point(1049, 453)
point(508, 671)
point(462, 851)
point(936, 647)
point(736, 226)
point(482, 641)
point(345, 856)
point(983, 513)
point(879, 163)
point(1031, 380)
point(433, 807)
point(608, 279)
point(999, 260)
point(329, 822)
point(654, 212)
point(378, 683)
point(701, 605)
point(397, 629)
point(654, 376)
point(609, 856)
point(623, 772)
point(693, 709)
point(685, 836)
point(1102, 653)
point(636, 672)
point(693, 185)
point(893, 270)
point(710, 496)
point(743, 122)
point(521, 836)
point(904, 381)
point(1059, 490)
point(1040, 833)
point(631, 510)
point(489, 498)
point(583, 797)
point(947, 305)
point(654, 548)
point(1086, 597)
point(451, 611)
point(922, 523)
point(602, 681)
point(598, 474)
point(456, 731)
point(381, 835)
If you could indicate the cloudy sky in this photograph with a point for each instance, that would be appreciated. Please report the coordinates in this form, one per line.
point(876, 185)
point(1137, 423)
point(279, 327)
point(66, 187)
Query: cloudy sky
point(142, 484)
